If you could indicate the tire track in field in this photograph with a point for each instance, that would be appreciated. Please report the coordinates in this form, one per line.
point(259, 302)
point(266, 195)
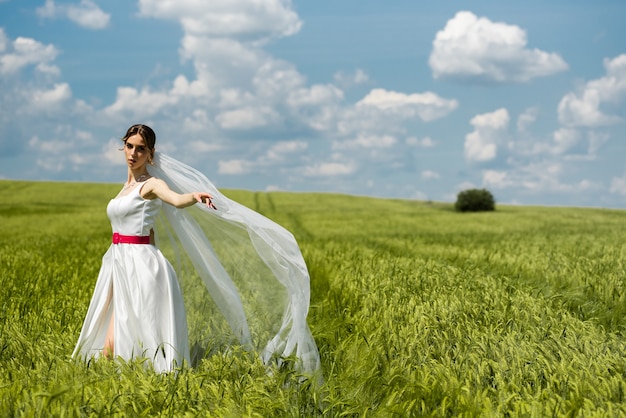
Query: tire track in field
point(264, 204)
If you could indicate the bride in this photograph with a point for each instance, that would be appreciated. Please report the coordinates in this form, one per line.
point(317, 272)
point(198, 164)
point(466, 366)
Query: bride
point(251, 271)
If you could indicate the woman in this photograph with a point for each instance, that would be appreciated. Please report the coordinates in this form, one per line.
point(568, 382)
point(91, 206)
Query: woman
point(137, 309)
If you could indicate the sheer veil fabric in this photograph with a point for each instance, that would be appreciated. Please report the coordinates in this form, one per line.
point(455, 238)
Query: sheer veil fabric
point(251, 267)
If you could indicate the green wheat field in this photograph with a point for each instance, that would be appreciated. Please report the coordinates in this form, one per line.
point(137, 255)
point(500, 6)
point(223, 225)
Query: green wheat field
point(417, 311)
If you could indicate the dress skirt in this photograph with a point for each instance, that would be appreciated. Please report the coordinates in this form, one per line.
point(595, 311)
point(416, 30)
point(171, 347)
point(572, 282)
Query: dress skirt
point(138, 285)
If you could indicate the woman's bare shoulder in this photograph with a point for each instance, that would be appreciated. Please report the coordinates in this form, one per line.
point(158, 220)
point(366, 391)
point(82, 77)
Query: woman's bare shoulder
point(151, 186)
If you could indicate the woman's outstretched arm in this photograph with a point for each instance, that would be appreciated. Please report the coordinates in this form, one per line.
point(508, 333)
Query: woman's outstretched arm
point(157, 188)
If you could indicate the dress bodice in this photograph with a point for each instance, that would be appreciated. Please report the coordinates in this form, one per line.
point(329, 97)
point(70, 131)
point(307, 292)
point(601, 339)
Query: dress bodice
point(131, 214)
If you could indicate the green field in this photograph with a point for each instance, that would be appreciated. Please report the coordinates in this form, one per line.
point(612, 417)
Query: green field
point(416, 310)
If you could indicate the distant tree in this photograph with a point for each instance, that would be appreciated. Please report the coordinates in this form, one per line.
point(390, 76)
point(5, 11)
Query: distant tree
point(475, 200)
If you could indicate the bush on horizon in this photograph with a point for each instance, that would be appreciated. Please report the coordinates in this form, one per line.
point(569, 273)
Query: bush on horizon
point(475, 200)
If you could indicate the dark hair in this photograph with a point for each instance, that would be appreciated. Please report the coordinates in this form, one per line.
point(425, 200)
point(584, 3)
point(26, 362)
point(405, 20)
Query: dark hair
point(143, 131)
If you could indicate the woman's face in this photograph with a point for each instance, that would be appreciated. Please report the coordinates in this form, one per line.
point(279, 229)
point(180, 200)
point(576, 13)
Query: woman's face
point(136, 152)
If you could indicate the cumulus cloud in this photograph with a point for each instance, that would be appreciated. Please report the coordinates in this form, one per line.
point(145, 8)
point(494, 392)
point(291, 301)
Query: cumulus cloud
point(315, 95)
point(596, 141)
point(347, 80)
point(30, 90)
point(222, 62)
point(142, 104)
point(330, 169)
point(66, 148)
point(584, 108)
point(234, 167)
point(429, 175)
point(240, 88)
point(537, 177)
point(243, 111)
point(618, 185)
point(377, 121)
point(426, 142)
point(23, 52)
point(538, 166)
point(51, 99)
point(565, 139)
point(490, 130)
point(242, 19)
point(276, 78)
point(526, 119)
point(277, 153)
point(86, 13)
point(366, 141)
point(248, 118)
point(565, 142)
point(427, 106)
point(473, 48)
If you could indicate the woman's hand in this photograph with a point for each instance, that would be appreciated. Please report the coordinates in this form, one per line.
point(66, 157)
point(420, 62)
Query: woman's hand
point(203, 197)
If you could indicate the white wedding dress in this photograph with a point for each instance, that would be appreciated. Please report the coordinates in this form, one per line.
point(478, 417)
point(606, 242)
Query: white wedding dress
point(243, 277)
point(138, 286)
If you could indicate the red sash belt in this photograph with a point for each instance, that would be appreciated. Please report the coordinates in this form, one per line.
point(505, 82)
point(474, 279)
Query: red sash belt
point(130, 239)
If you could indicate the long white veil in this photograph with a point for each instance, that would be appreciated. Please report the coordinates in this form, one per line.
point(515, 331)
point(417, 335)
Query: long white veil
point(251, 266)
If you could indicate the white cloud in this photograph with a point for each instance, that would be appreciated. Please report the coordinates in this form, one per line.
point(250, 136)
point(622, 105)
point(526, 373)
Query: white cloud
point(618, 185)
point(276, 79)
point(564, 143)
point(53, 98)
point(535, 178)
point(49, 147)
point(142, 104)
point(86, 14)
point(317, 106)
point(247, 118)
point(490, 130)
point(329, 169)
point(565, 139)
point(273, 188)
point(233, 97)
point(4, 40)
point(465, 185)
point(584, 111)
point(427, 106)
point(48, 10)
point(112, 152)
point(222, 63)
point(234, 167)
point(203, 147)
point(426, 142)
point(348, 80)
point(430, 175)
point(197, 122)
point(419, 195)
point(496, 179)
point(596, 140)
point(279, 151)
point(526, 119)
point(22, 52)
point(194, 89)
point(227, 18)
point(474, 48)
point(67, 148)
point(583, 108)
point(366, 141)
point(316, 95)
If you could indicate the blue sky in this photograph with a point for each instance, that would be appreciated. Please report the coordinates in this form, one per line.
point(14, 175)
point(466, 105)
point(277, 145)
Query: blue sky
point(400, 99)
